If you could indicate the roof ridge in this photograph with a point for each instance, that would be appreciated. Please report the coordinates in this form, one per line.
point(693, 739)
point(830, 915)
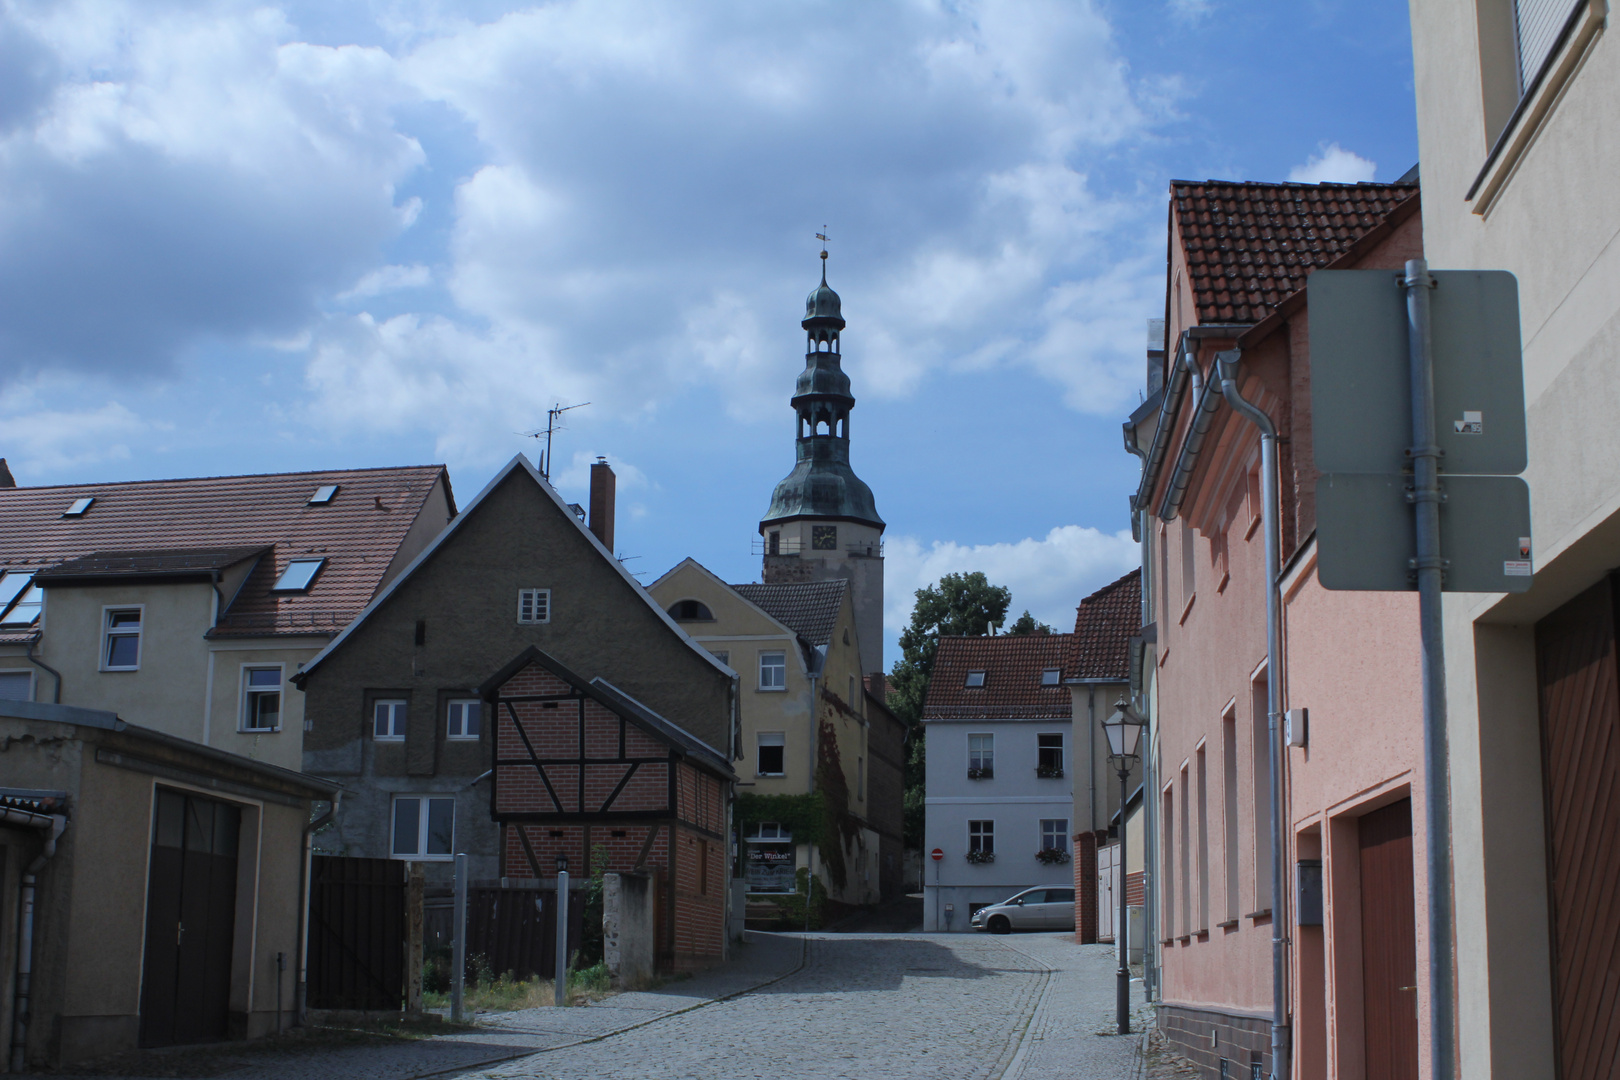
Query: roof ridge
point(232, 476)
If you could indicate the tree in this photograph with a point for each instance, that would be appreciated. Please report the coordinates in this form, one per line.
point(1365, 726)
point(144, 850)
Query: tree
point(1026, 624)
point(959, 605)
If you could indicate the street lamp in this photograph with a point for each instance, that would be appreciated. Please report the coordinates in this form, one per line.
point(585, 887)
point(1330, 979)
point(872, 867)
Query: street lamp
point(1124, 731)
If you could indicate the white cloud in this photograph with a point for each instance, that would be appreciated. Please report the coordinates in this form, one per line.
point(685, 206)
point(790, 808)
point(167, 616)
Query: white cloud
point(1333, 165)
point(1049, 576)
point(387, 279)
point(44, 441)
point(1191, 11)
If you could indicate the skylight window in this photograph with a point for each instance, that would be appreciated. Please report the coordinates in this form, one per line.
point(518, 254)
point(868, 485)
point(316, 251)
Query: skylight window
point(975, 678)
point(299, 574)
point(25, 612)
point(1049, 677)
point(79, 507)
point(323, 495)
point(12, 583)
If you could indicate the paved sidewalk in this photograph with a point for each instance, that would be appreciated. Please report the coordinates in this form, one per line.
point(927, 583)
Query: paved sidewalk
point(1073, 1033)
point(497, 1037)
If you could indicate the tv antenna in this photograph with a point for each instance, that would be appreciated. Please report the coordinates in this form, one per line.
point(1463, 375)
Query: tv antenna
point(553, 416)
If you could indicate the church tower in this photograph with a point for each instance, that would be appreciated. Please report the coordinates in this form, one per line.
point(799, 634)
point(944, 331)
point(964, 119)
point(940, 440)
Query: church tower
point(823, 523)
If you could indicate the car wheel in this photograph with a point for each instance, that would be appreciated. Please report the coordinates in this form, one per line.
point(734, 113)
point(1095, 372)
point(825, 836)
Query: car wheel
point(1000, 925)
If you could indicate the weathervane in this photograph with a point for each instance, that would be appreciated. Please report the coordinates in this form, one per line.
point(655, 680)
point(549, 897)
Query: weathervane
point(823, 237)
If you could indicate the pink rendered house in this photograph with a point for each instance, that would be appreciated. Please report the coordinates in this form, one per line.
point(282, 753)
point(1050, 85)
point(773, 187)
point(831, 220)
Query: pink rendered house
point(1350, 917)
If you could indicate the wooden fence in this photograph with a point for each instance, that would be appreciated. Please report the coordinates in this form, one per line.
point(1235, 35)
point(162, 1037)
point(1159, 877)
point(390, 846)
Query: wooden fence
point(356, 933)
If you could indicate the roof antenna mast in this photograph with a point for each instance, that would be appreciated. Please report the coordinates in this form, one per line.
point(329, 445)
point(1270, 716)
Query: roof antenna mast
point(553, 416)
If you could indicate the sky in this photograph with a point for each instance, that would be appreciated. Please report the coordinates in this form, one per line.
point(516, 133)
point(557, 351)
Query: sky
point(241, 238)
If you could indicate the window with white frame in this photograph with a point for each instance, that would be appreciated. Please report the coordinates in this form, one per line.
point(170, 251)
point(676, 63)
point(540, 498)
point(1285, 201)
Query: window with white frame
point(424, 827)
point(982, 837)
point(981, 755)
point(388, 720)
point(464, 719)
point(121, 640)
point(1054, 834)
point(534, 605)
point(772, 753)
point(1049, 751)
point(773, 671)
point(261, 698)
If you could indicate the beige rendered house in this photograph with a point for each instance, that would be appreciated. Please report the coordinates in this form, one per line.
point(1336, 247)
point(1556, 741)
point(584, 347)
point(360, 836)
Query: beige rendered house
point(1517, 110)
point(806, 723)
point(186, 606)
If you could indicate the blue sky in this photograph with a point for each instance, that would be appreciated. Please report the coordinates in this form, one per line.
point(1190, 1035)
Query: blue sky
point(261, 237)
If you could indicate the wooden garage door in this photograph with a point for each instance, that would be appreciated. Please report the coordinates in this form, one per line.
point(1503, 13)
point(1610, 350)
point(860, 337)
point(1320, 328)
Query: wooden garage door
point(1580, 731)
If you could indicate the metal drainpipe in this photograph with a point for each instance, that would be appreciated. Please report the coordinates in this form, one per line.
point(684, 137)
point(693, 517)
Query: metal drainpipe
point(1091, 761)
point(301, 991)
point(25, 937)
point(1228, 362)
point(56, 697)
point(1142, 520)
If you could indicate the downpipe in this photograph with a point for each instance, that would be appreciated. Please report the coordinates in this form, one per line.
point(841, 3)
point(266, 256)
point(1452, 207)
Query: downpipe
point(21, 1012)
point(56, 694)
point(1228, 365)
point(1141, 520)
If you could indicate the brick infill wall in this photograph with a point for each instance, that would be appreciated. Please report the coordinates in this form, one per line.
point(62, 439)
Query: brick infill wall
point(1240, 1040)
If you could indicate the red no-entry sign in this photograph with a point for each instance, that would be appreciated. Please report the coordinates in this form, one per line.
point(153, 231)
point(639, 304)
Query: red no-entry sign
point(937, 854)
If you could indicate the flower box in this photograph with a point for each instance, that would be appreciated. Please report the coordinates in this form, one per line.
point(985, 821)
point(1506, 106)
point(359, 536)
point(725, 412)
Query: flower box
point(981, 774)
point(1049, 772)
point(979, 858)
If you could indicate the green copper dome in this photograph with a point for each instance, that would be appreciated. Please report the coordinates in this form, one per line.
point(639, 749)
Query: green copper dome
point(822, 485)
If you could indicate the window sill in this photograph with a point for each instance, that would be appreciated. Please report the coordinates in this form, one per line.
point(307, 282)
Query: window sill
point(770, 775)
point(1259, 916)
point(1227, 924)
point(770, 689)
point(1254, 523)
point(1184, 939)
point(1191, 600)
point(462, 738)
point(423, 858)
point(1225, 579)
point(258, 730)
point(119, 670)
point(388, 738)
point(1525, 123)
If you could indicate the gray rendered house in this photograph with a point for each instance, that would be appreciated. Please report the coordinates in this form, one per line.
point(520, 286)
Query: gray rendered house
point(392, 704)
point(999, 796)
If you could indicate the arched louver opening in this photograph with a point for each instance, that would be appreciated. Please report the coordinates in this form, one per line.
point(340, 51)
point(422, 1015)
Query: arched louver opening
point(690, 611)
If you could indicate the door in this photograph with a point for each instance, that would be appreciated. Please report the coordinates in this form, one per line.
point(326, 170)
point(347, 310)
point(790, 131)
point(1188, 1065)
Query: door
point(1580, 732)
point(1389, 943)
point(190, 920)
point(1059, 909)
point(1107, 896)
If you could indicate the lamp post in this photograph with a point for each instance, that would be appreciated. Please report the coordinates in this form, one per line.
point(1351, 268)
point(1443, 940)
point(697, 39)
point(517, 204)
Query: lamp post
point(1124, 731)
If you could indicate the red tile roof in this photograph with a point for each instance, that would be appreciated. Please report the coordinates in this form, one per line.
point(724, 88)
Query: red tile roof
point(1100, 647)
point(1249, 245)
point(1012, 690)
point(358, 533)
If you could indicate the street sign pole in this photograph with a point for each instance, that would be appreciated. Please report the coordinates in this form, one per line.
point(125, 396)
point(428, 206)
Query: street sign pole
point(1429, 565)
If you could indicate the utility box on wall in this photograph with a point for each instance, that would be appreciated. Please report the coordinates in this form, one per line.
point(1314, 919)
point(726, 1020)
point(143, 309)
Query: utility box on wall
point(1310, 892)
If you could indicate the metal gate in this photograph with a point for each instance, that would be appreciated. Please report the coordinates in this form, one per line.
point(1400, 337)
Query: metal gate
point(1580, 730)
point(515, 930)
point(356, 933)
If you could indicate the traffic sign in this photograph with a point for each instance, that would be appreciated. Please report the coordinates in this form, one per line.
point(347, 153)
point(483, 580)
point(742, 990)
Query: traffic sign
point(937, 854)
point(1361, 381)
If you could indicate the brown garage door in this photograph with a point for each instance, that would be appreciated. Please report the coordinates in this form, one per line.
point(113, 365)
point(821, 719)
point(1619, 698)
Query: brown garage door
point(1580, 732)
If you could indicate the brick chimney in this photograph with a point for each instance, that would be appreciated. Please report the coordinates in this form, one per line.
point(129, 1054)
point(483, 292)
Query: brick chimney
point(604, 490)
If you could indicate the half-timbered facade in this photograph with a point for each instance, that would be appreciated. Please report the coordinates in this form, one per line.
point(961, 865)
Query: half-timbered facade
point(585, 771)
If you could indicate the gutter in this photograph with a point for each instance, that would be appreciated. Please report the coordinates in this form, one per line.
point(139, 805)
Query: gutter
point(1204, 408)
point(1227, 363)
point(54, 824)
point(301, 993)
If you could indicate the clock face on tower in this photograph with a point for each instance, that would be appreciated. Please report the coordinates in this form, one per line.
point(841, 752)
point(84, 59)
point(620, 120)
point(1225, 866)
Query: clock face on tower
point(824, 537)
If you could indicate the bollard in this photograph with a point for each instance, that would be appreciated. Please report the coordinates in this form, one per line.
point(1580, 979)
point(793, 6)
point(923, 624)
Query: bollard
point(458, 975)
point(561, 986)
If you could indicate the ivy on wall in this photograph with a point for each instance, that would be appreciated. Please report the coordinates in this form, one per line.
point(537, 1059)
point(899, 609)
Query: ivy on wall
point(805, 816)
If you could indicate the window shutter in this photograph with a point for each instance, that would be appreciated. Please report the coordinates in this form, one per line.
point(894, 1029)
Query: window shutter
point(1538, 24)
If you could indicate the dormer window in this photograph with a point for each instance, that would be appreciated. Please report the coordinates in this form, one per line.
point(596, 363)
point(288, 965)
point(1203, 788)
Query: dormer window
point(299, 575)
point(323, 495)
point(79, 507)
point(1051, 677)
point(975, 679)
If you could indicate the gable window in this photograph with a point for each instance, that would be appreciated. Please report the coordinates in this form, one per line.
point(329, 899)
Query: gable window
point(981, 757)
point(691, 611)
point(299, 575)
point(121, 640)
point(723, 656)
point(388, 721)
point(464, 719)
point(981, 837)
point(1054, 834)
point(975, 679)
point(773, 671)
point(1051, 677)
point(772, 753)
point(424, 828)
point(534, 605)
point(261, 698)
point(1049, 750)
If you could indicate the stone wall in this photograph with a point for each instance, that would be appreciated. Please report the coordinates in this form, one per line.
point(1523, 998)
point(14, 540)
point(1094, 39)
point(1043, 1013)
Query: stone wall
point(628, 928)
